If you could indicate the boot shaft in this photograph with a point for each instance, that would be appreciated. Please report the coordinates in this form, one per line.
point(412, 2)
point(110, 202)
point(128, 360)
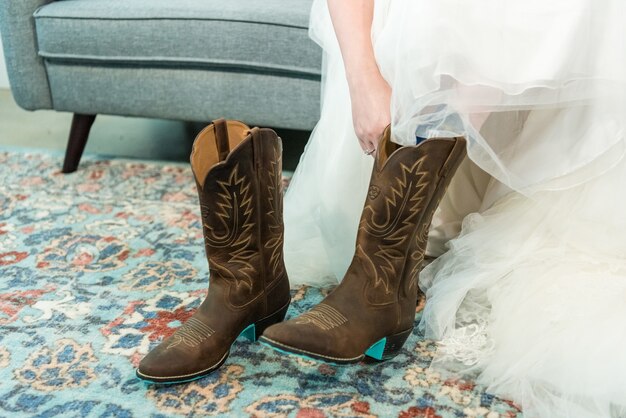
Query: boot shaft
point(409, 286)
point(238, 175)
point(405, 187)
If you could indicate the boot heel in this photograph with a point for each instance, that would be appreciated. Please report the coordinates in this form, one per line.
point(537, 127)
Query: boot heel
point(388, 347)
point(254, 331)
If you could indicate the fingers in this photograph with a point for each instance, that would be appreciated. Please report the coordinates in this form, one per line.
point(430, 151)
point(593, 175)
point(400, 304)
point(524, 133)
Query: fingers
point(375, 146)
point(369, 133)
point(369, 144)
point(371, 148)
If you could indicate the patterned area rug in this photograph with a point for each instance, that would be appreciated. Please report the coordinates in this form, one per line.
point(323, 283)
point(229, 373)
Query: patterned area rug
point(98, 266)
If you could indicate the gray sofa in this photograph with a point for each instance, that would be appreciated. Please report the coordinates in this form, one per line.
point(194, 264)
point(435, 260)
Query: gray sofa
point(192, 60)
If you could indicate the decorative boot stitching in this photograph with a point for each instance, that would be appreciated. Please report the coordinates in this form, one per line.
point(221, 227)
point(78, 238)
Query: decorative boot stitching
point(421, 239)
point(409, 186)
point(192, 333)
point(273, 215)
point(417, 257)
point(373, 192)
point(403, 203)
point(233, 208)
point(323, 316)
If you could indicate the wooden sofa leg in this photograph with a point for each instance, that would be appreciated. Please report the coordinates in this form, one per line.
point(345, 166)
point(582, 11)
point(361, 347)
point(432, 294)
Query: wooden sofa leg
point(79, 133)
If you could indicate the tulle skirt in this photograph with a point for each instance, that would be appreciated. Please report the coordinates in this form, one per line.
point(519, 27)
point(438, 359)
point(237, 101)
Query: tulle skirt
point(529, 294)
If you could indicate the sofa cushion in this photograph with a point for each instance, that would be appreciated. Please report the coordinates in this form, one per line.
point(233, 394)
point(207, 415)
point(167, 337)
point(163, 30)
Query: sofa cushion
point(268, 36)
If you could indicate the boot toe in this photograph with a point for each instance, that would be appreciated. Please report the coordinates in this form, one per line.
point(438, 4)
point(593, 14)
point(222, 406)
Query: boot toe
point(174, 366)
point(156, 366)
point(281, 333)
point(307, 341)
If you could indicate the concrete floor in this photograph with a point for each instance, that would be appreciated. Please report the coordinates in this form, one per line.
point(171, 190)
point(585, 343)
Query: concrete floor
point(147, 139)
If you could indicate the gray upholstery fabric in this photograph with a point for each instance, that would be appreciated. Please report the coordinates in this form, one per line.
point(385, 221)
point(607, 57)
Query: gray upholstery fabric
point(264, 36)
point(280, 12)
point(192, 94)
point(26, 70)
point(178, 59)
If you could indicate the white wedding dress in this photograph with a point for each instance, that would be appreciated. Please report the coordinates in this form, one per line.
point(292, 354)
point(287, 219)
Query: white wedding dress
point(529, 291)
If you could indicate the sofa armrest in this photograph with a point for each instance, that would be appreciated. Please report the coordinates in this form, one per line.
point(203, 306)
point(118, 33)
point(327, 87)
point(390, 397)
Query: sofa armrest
point(26, 70)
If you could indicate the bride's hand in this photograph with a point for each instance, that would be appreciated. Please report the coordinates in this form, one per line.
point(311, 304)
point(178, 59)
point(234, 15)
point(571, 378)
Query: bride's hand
point(371, 96)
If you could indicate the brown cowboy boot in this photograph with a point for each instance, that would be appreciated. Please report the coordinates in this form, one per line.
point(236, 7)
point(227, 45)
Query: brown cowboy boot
point(372, 311)
point(238, 175)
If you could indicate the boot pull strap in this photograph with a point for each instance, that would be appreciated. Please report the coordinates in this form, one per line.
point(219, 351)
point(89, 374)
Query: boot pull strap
point(221, 138)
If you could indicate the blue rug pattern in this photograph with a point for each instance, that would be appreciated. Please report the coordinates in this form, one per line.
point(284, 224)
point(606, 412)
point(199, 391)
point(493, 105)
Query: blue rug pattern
point(98, 266)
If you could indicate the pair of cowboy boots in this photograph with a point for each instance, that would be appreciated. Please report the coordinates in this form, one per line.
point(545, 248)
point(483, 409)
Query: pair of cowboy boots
point(370, 313)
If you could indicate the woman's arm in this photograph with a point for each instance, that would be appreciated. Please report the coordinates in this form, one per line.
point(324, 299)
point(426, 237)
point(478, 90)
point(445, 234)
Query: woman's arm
point(369, 92)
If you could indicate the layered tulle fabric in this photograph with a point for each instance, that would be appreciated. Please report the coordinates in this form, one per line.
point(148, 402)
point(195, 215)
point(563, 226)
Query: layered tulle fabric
point(326, 194)
point(530, 300)
point(530, 295)
point(453, 63)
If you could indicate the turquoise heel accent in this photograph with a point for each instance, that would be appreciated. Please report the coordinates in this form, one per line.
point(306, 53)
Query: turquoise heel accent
point(377, 349)
point(249, 333)
point(388, 347)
